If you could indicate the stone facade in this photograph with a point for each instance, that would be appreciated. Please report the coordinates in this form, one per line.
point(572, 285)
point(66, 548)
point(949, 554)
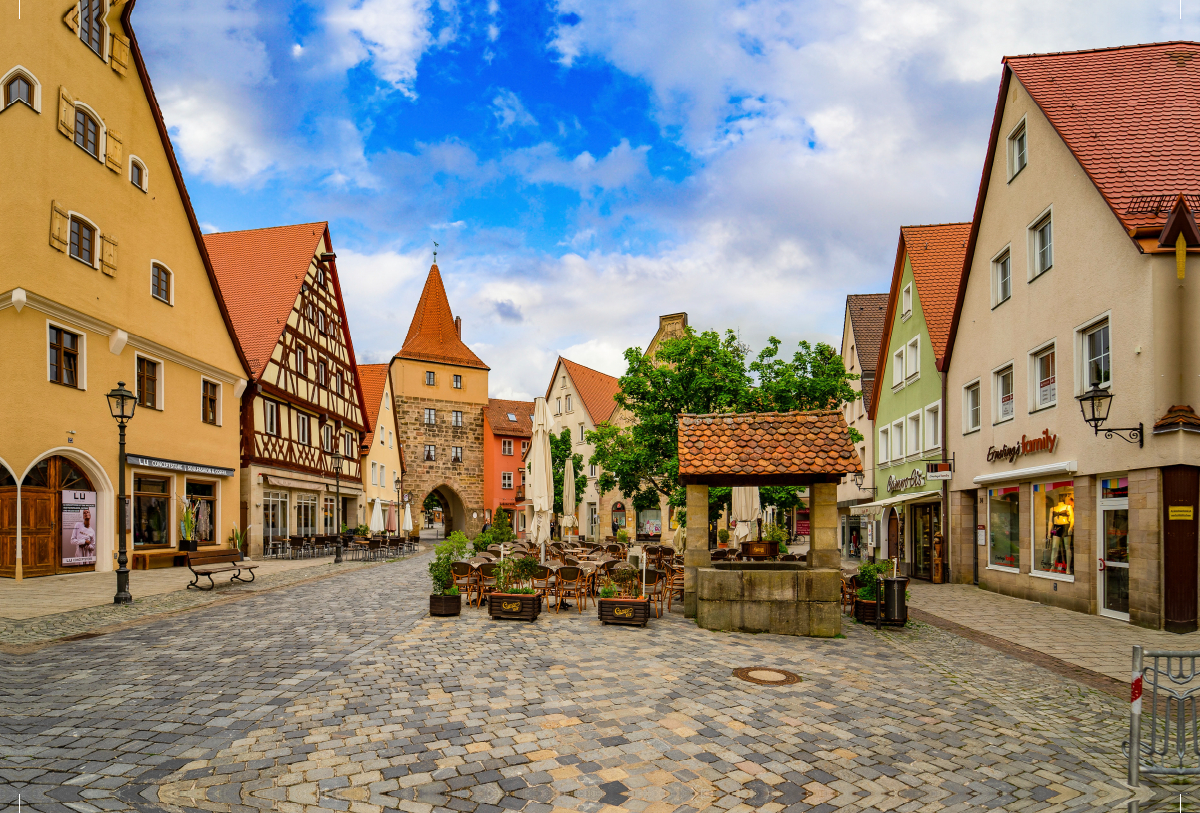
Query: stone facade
point(465, 479)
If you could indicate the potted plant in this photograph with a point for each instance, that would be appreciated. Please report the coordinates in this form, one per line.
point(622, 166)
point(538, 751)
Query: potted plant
point(868, 596)
point(723, 538)
point(445, 599)
point(187, 524)
point(619, 602)
point(238, 539)
point(513, 598)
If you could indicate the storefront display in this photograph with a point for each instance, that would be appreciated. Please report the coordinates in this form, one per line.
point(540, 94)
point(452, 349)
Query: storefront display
point(151, 511)
point(204, 497)
point(927, 521)
point(1004, 525)
point(1054, 528)
point(79, 523)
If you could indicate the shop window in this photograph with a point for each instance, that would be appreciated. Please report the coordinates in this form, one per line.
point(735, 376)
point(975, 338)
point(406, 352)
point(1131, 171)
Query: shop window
point(933, 426)
point(1114, 524)
point(914, 433)
point(275, 516)
point(1003, 387)
point(506, 447)
point(148, 382)
point(456, 418)
point(328, 515)
point(1054, 528)
point(151, 511)
point(455, 454)
point(906, 302)
point(884, 448)
point(1042, 239)
point(271, 418)
point(506, 479)
point(137, 173)
point(971, 411)
point(1002, 278)
point(1004, 527)
point(210, 394)
point(204, 497)
point(430, 416)
point(64, 357)
point(306, 514)
point(1097, 358)
point(1018, 150)
point(458, 382)
point(1044, 369)
point(83, 241)
point(618, 514)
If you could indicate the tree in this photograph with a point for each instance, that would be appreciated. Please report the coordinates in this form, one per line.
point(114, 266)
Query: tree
point(701, 373)
point(560, 449)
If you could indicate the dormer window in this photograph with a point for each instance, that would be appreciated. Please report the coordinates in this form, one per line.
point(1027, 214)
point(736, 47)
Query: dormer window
point(512, 417)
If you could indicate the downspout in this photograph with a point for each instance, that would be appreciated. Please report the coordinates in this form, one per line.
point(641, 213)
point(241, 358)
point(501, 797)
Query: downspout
point(945, 489)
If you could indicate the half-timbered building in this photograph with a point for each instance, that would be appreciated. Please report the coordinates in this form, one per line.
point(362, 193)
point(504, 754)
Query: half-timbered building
point(305, 403)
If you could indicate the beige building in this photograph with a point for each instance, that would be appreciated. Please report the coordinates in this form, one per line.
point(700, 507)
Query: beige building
point(108, 281)
point(1080, 277)
point(382, 455)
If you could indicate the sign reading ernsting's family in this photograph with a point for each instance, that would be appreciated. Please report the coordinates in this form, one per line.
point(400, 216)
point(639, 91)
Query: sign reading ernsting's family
point(78, 528)
point(1044, 442)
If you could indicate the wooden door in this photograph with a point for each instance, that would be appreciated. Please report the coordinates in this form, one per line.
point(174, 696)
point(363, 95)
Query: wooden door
point(8, 532)
point(39, 531)
point(1181, 486)
point(893, 535)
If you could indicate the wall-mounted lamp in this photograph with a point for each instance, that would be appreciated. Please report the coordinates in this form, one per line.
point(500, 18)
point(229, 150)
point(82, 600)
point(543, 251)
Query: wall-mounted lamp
point(1095, 404)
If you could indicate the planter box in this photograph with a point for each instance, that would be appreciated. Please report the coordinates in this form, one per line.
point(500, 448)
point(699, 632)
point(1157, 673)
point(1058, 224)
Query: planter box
point(626, 611)
point(445, 605)
point(864, 611)
point(186, 545)
point(521, 606)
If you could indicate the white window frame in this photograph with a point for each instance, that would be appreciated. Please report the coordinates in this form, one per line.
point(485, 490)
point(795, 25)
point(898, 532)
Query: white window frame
point(98, 240)
point(1035, 269)
point(81, 370)
point(885, 447)
point(160, 393)
point(145, 184)
point(898, 435)
point(304, 438)
point(102, 138)
point(171, 280)
point(506, 447)
point(1033, 529)
point(912, 440)
point(898, 368)
point(987, 502)
point(220, 396)
point(391, 440)
point(374, 473)
point(34, 85)
point(271, 418)
point(1082, 383)
point(570, 403)
point(581, 435)
point(506, 479)
point(300, 360)
point(906, 303)
point(592, 470)
point(997, 265)
point(996, 396)
point(933, 423)
point(105, 38)
point(1016, 132)
point(327, 438)
point(1035, 382)
point(976, 385)
point(557, 406)
point(912, 359)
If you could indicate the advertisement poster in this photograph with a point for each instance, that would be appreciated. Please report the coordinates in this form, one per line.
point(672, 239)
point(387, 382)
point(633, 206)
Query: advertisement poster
point(79, 523)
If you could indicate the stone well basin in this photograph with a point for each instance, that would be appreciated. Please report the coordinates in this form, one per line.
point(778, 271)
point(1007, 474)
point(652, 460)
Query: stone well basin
point(786, 598)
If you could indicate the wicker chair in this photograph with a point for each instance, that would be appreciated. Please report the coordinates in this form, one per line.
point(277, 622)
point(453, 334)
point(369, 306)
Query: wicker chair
point(572, 582)
point(487, 581)
point(466, 578)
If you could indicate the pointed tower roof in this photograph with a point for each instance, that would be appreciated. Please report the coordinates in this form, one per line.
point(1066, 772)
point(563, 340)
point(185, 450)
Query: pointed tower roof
point(433, 335)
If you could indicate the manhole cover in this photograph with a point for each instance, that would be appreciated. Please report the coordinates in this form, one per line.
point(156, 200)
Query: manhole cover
point(766, 677)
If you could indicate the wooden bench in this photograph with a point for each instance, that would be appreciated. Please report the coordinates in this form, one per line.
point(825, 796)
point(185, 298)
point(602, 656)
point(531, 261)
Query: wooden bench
point(146, 560)
point(206, 563)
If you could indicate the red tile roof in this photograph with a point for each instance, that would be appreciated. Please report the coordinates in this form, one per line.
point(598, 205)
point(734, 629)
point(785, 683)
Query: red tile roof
point(867, 312)
point(1180, 416)
point(260, 272)
point(497, 411)
point(595, 389)
point(374, 378)
point(766, 445)
point(433, 336)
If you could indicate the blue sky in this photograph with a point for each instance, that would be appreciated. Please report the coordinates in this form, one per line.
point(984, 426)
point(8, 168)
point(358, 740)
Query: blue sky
point(587, 165)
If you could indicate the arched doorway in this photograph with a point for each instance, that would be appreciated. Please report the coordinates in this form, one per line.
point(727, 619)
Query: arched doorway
point(56, 492)
point(893, 535)
point(454, 513)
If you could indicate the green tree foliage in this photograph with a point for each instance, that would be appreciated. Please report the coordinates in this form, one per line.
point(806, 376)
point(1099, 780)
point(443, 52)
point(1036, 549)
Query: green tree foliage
point(560, 448)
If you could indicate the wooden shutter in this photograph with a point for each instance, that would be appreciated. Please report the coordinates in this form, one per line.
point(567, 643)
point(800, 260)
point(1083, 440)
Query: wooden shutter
point(71, 18)
point(66, 113)
point(108, 255)
point(60, 227)
point(118, 54)
point(113, 151)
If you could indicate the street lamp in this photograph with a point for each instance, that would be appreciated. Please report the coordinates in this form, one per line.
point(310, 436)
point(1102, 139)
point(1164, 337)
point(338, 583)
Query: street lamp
point(337, 505)
point(1095, 404)
point(859, 477)
point(121, 403)
point(399, 520)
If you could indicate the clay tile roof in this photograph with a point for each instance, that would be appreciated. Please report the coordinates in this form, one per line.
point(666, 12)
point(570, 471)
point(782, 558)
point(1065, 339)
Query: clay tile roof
point(763, 444)
point(497, 412)
point(868, 314)
point(374, 378)
point(595, 389)
point(936, 254)
point(260, 272)
point(1178, 417)
point(1129, 116)
point(432, 336)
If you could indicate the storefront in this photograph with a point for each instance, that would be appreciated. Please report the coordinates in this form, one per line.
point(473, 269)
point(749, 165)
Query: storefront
point(305, 505)
point(903, 526)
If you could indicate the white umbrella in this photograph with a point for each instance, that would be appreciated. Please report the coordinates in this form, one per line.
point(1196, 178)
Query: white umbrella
point(568, 520)
point(376, 523)
point(407, 526)
point(541, 485)
point(746, 509)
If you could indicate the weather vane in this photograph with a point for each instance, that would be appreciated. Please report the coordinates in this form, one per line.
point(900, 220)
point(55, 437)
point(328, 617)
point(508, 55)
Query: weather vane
point(435, 248)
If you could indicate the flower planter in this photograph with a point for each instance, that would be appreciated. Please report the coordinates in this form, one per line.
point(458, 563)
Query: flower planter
point(521, 606)
point(191, 545)
point(445, 605)
point(628, 612)
point(864, 612)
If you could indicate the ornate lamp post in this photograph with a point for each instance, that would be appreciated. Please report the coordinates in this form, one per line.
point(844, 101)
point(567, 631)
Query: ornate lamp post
point(337, 506)
point(1095, 404)
point(121, 403)
point(399, 483)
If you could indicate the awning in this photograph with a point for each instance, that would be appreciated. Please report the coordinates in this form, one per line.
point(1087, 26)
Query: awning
point(348, 486)
point(874, 509)
point(1049, 470)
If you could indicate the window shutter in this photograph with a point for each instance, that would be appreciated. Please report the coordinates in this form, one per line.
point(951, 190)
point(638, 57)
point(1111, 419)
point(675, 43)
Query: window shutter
point(108, 256)
point(113, 151)
point(119, 54)
point(59, 226)
point(71, 18)
point(66, 113)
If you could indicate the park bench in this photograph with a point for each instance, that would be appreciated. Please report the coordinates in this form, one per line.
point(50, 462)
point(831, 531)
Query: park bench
point(206, 563)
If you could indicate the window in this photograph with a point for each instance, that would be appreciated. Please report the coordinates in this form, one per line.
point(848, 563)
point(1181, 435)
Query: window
point(592, 470)
point(147, 383)
point(271, 418)
point(557, 406)
point(321, 321)
point(327, 437)
point(430, 378)
point(1054, 528)
point(971, 411)
point(898, 368)
point(914, 433)
point(456, 418)
point(1018, 150)
point(1046, 393)
point(455, 454)
point(1004, 527)
point(275, 515)
point(569, 409)
point(430, 452)
point(884, 448)
point(458, 382)
point(506, 447)
point(64, 357)
point(18, 89)
point(506, 479)
point(430, 416)
point(898, 440)
point(151, 511)
point(83, 241)
point(301, 363)
point(338, 388)
point(322, 371)
point(912, 358)
point(204, 497)
point(391, 440)
point(933, 426)
point(91, 21)
point(1043, 246)
point(160, 283)
point(329, 514)
point(306, 514)
point(348, 445)
point(304, 430)
point(1002, 384)
point(382, 442)
point(137, 173)
point(374, 474)
point(87, 133)
point(1002, 278)
point(906, 302)
point(1097, 359)
point(209, 393)
point(581, 433)
point(524, 447)
point(321, 277)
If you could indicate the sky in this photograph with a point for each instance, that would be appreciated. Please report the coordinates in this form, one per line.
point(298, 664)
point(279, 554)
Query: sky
point(588, 165)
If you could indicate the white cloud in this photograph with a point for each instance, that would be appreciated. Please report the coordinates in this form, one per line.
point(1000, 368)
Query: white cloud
point(391, 34)
point(508, 110)
point(622, 166)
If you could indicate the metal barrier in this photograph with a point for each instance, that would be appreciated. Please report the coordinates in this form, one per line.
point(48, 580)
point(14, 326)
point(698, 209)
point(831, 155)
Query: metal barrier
point(1171, 684)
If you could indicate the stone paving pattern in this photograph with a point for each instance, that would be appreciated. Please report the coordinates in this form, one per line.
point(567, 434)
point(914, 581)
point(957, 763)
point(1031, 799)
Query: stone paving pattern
point(342, 694)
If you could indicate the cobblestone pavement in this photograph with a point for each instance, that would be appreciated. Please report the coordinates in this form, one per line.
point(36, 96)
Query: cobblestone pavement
point(342, 694)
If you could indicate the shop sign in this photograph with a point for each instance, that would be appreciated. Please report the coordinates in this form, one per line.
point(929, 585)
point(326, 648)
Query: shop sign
point(939, 471)
point(1044, 442)
point(914, 480)
point(1181, 512)
point(79, 522)
point(177, 465)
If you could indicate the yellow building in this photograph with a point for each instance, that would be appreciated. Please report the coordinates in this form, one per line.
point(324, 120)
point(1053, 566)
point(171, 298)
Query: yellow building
point(381, 452)
point(109, 282)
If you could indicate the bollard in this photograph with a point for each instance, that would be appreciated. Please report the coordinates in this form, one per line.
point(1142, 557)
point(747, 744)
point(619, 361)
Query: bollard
point(879, 603)
point(1135, 718)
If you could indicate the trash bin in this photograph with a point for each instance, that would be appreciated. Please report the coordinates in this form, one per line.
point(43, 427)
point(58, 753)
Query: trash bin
point(895, 606)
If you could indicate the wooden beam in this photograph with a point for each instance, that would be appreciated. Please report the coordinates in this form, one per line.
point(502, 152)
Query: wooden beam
point(731, 480)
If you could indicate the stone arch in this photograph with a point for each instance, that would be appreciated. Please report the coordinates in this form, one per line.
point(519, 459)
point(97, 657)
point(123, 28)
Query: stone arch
point(454, 511)
point(106, 501)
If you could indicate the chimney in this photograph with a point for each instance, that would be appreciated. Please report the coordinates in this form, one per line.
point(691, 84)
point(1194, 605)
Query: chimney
point(458, 326)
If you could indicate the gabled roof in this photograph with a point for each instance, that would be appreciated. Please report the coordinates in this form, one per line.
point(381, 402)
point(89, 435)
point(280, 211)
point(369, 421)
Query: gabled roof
point(260, 273)
point(374, 378)
point(595, 389)
point(496, 414)
point(433, 334)
point(935, 254)
point(867, 312)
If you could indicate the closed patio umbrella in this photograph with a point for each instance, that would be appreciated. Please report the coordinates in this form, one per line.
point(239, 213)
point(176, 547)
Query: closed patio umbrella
point(568, 520)
point(407, 526)
point(391, 518)
point(746, 509)
point(376, 523)
point(541, 485)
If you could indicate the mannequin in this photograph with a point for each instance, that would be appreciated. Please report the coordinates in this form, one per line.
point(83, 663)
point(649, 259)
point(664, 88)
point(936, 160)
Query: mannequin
point(1062, 521)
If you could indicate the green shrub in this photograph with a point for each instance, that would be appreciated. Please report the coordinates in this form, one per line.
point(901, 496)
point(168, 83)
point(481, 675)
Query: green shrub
point(501, 530)
point(868, 577)
point(608, 591)
point(453, 548)
point(723, 536)
point(482, 541)
point(623, 537)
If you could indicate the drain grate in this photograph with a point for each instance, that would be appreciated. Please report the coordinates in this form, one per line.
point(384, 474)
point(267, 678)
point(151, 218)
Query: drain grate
point(766, 676)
